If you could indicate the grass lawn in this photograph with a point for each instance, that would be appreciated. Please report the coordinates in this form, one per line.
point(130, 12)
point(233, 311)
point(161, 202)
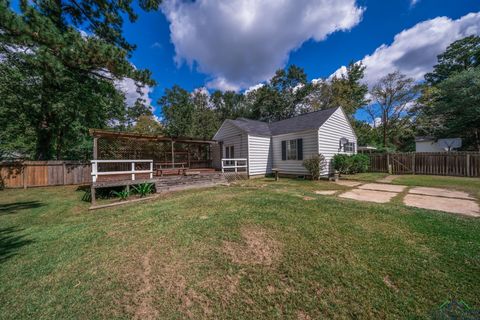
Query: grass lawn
point(366, 176)
point(259, 249)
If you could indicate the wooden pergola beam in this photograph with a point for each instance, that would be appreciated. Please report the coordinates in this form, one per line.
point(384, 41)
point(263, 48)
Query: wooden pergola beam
point(100, 133)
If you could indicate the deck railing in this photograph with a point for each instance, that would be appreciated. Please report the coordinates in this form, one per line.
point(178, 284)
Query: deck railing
point(133, 171)
point(235, 165)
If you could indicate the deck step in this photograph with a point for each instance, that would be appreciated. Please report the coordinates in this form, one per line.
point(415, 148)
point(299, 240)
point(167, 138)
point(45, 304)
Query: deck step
point(174, 183)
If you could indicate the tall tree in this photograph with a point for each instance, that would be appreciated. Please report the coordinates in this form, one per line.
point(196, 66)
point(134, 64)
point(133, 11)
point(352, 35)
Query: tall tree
point(392, 95)
point(282, 97)
point(344, 91)
point(449, 104)
point(178, 112)
point(461, 55)
point(453, 109)
point(147, 125)
point(69, 74)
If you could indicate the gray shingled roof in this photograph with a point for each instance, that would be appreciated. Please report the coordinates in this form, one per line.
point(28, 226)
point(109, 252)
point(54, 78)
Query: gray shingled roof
point(252, 126)
point(307, 121)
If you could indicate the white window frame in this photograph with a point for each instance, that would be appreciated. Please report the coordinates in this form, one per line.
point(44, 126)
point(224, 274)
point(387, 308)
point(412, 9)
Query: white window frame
point(349, 147)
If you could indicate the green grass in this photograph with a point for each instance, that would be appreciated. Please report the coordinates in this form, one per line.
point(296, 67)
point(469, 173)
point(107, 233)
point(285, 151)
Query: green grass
point(253, 250)
point(366, 176)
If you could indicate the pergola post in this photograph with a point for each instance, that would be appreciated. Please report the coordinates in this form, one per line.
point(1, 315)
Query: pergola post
point(95, 148)
point(173, 155)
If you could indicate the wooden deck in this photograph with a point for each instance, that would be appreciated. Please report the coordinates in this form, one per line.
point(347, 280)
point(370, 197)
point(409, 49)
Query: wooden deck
point(192, 176)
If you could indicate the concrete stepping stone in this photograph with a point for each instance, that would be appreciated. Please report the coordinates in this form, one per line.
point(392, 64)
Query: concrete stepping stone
point(348, 183)
point(441, 193)
point(382, 187)
point(459, 206)
point(326, 192)
point(369, 195)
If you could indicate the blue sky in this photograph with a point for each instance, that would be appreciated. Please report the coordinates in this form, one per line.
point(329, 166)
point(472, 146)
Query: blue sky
point(377, 24)
point(236, 44)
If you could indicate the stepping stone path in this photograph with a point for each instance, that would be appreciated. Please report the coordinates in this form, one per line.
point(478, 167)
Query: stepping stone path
point(382, 187)
point(369, 195)
point(420, 197)
point(453, 205)
point(441, 193)
point(348, 183)
point(326, 192)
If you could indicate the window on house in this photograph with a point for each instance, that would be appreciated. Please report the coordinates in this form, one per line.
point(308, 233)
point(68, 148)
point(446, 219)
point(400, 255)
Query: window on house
point(349, 147)
point(292, 149)
point(229, 154)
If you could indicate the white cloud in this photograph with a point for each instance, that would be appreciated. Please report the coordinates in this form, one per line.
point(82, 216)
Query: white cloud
point(414, 51)
point(222, 84)
point(132, 92)
point(413, 2)
point(253, 88)
point(242, 42)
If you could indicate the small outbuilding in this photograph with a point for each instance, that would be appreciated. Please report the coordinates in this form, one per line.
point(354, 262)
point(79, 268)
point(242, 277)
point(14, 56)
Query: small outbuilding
point(431, 144)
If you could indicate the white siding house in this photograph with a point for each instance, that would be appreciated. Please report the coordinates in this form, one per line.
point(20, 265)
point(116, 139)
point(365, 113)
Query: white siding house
point(329, 135)
point(283, 145)
point(294, 167)
point(259, 155)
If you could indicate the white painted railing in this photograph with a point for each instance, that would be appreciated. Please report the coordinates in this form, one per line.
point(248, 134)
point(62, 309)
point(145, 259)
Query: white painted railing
point(96, 173)
point(237, 163)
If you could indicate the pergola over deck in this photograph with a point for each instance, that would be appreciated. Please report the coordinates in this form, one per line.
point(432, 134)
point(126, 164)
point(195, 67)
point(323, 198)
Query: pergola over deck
point(169, 151)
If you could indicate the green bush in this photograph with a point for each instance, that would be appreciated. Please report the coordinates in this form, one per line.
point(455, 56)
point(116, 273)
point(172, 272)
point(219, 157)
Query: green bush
point(143, 189)
point(359, 163)
point(315, 164)
point(351, 164)
point(123, 195)
point(341, 163)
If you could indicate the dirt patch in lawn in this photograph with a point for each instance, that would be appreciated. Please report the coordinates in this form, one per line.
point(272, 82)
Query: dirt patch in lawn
point(258, 248)
point(145, 309)
point(389, 283)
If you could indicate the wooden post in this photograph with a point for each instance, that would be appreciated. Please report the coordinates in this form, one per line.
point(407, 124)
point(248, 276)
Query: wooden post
point(93, 195)
point(413, 164)
point(95, 148)
point(173, 155)
point(389, 169)
point(468, 166)
point(133, 170)
point(24, 176)
point(151, 169)
point(94, 171)
point(64, 173)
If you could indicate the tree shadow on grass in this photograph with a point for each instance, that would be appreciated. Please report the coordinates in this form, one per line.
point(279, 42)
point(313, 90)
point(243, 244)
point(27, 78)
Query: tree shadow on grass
point(14, 207)
point(11, 242)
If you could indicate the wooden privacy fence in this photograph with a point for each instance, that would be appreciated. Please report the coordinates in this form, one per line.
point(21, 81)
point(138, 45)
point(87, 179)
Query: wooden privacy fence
point(44, 173)
point(465, 164)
